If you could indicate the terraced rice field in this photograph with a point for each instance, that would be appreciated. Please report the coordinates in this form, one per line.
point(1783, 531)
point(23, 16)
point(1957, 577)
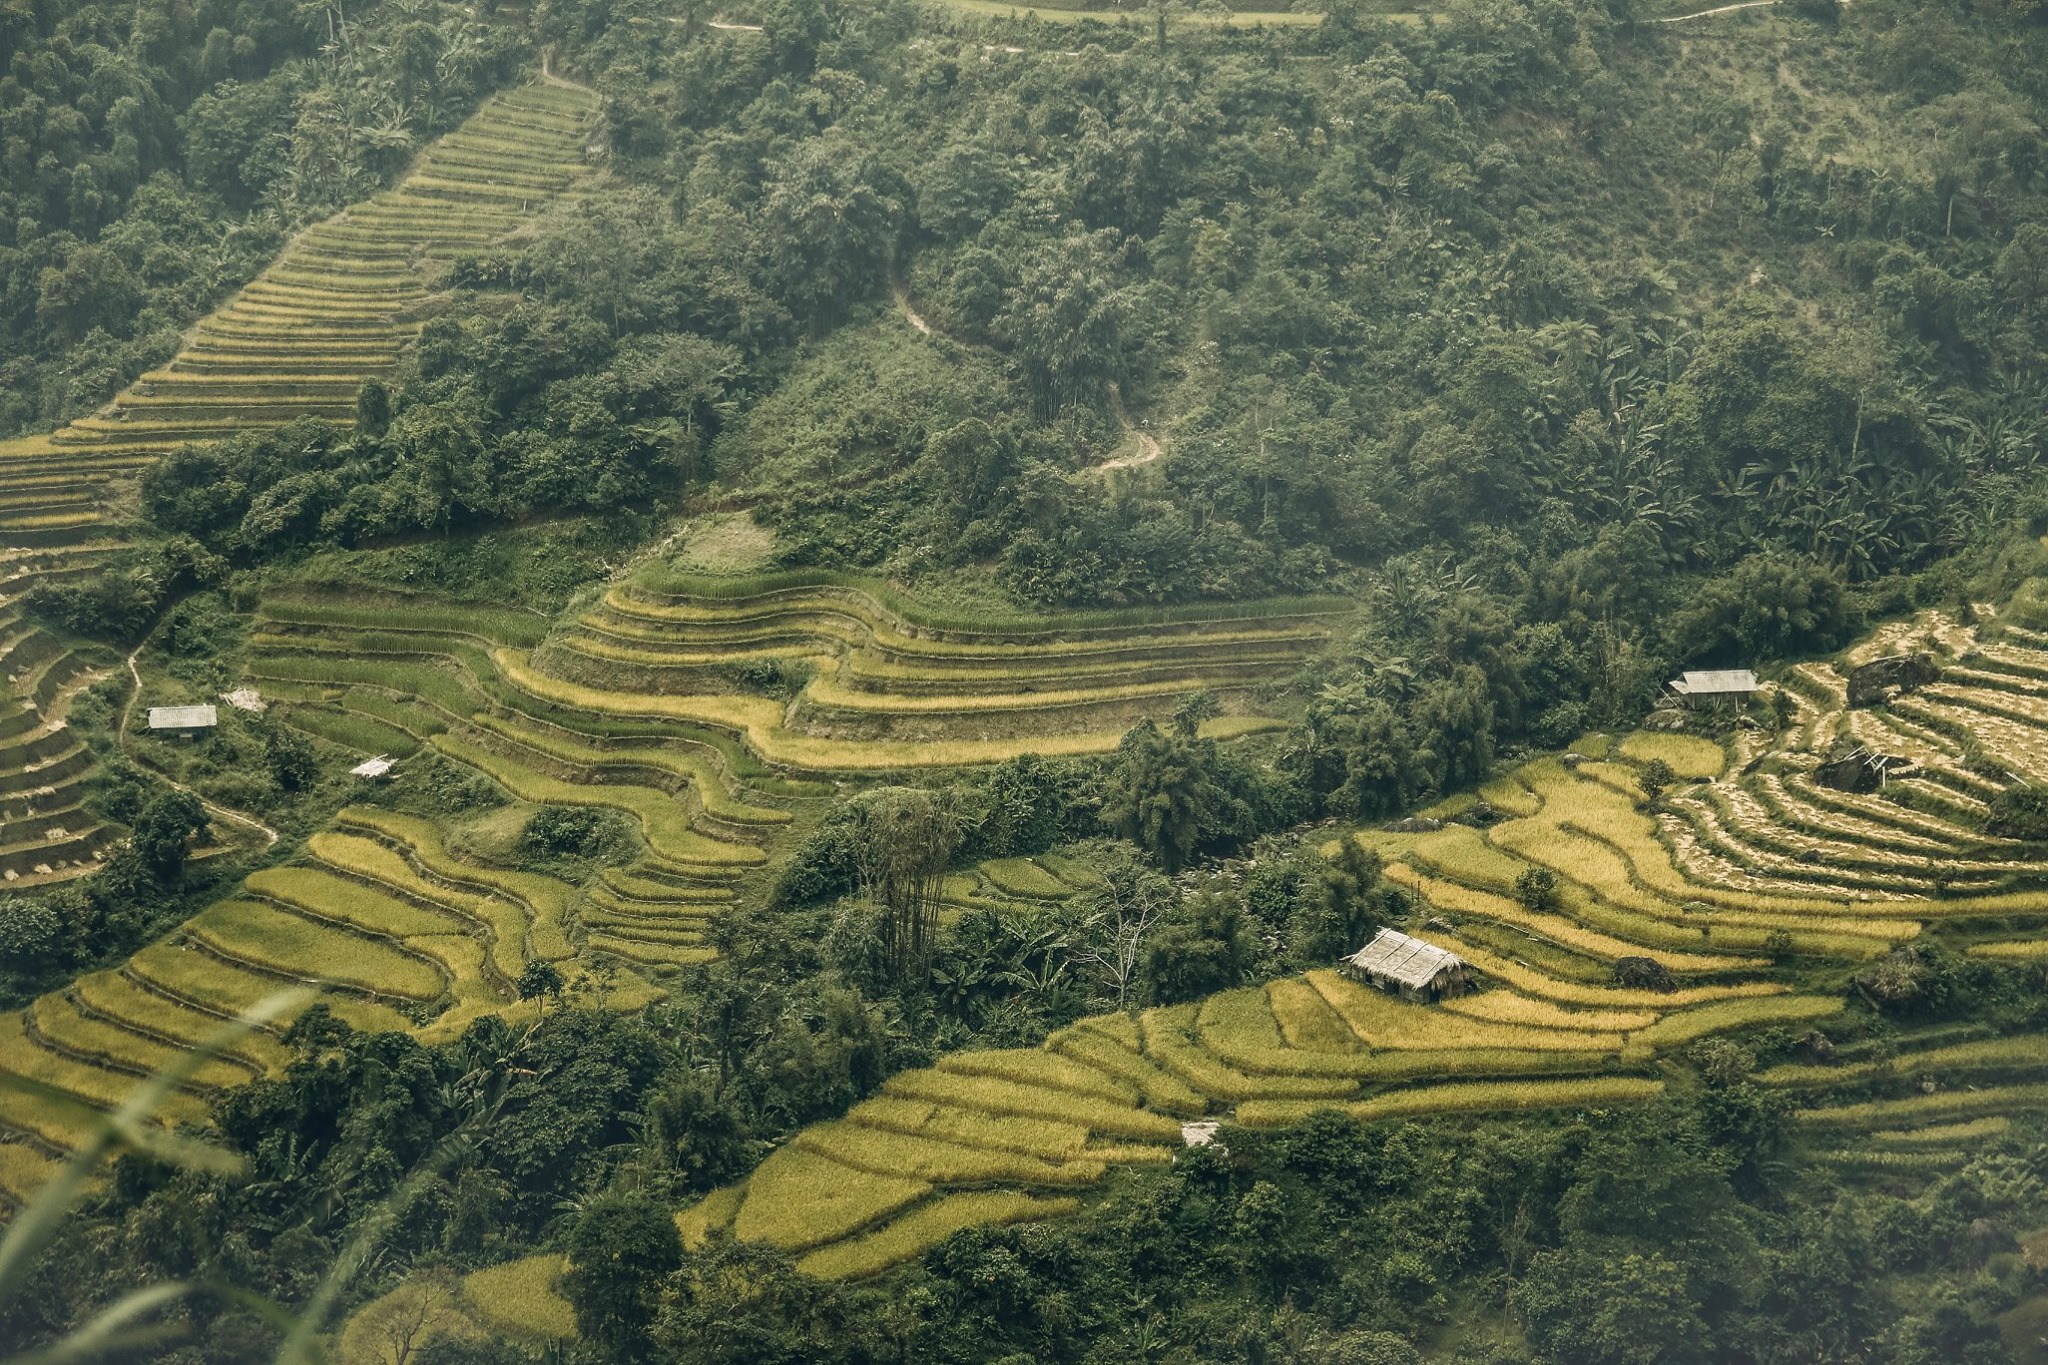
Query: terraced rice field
point(339, 305)
point(1750, 857)
point(890, 686)
point(381, 912)
point(1007, 1136)
point(397, 927)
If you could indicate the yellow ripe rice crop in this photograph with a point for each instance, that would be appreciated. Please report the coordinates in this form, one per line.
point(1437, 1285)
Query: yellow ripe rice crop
point(923, 1228)
point(61, 1119)
point(1040, 1137)
point(798, 1199)
point(1946, 1104)
point(505, 921)
point(22, 1057)
point(339, 899)
point(1529, 981)
point(1686, 1025)
point(23, 1171)
point(519, 1299)
point(1637, 870)
point(1306, 1020)
point(117, 996)
point(702, 774)
point(713, 1213)
point(60, 1025)
point(1943, 1134)
point(306, 951)
point(1160, 1089)
point(215, 986)
point(1029, 1101)
point(1616, 777)
point(1459, 851)
point(1563, 931)
point(1118, 1028)
point(1688, 755)
point(1167, 1042)
point(2022, 1052)
point(1506, 1007)
point(547, 898)
point(1034, 1066)
point(1465, 1097)
point(1382, 1021)
point(1506, 794)
point(2024, 950)
point(662, 818)
point(759, 721)
point(880, 1152)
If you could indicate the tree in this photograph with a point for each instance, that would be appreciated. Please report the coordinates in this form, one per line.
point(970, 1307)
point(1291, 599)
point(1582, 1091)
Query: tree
point(905, 838)
point(1340, 911)
point(1116, 927)
point(622, 1247)
point(163, 832)
point(1207, 948)
point(565, 831)
point(541, 980)
point(413, 1316)
point(31, 934)
point(1655, 778)
point(1593, 1307)
point(292, 762)
point(373, 407)
point(1159, 795)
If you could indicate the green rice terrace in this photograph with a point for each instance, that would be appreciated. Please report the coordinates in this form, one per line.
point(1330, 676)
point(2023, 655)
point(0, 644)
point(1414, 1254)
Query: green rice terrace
point(625, 706)
point(971, 683)
point(338, 306)
point(1704, 895)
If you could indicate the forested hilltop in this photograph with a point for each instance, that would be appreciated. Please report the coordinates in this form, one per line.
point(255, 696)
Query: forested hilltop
point(812, 626)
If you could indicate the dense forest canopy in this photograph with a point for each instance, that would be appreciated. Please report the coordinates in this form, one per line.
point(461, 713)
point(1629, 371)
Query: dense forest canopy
point(1511, 354)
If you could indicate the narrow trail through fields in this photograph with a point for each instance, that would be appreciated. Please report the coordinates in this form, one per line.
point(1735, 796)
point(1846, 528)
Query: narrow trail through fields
point(1149, 448)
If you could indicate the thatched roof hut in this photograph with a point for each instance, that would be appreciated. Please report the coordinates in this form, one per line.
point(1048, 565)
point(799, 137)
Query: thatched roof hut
point(1419, 970)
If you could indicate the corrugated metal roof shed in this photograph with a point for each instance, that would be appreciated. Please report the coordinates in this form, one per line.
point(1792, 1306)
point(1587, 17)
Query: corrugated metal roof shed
point(183, 717)
point(1717, 683)
point(1408, 961)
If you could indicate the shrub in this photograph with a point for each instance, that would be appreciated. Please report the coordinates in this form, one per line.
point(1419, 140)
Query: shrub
point(574, 831)
point(1536, 889)
point(1643, 974)
point(2019, 812)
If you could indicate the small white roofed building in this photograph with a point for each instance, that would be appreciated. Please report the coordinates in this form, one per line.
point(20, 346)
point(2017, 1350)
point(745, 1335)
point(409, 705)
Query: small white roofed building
point(373, 770)
point(1733, 685)
point(182, 720)
point(1394, 961)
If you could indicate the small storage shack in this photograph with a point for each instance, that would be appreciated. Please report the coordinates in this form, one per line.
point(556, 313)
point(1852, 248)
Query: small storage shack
point(1732, 686)
point(1394, 961)
point(372, 770)
point(182, 720)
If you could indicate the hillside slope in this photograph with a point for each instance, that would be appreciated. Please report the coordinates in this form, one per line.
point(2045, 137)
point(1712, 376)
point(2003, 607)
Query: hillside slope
point(335, 308)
